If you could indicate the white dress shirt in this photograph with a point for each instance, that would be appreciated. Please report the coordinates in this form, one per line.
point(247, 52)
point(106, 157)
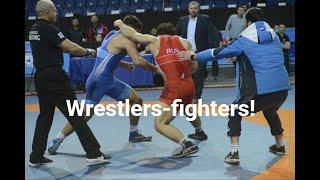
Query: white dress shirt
point(192, 32)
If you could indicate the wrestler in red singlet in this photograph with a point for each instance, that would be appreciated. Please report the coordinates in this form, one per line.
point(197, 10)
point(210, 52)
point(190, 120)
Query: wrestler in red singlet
point(176, 73)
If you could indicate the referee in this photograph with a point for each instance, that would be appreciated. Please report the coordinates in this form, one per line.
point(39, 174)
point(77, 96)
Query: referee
point(52, 85)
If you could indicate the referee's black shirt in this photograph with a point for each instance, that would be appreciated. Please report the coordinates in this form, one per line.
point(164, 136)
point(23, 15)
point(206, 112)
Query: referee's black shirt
point(44, 38)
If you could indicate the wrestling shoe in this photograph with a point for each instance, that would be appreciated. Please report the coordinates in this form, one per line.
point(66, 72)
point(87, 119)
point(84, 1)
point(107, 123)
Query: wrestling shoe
point(232, 158)
point(277, 150)
point(199, 135)
point(188, 148)
point(102, 158)
point(54, 145)
point(135, 136)
point(33, 162)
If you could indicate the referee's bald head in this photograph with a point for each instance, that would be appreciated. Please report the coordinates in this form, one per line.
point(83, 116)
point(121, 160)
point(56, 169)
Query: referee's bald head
point(46, 9)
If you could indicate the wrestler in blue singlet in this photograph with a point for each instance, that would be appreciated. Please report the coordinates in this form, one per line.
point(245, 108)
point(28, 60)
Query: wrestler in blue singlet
point(102, 80)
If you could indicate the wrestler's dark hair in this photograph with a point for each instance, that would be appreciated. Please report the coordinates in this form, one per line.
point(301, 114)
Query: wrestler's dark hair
point(255, 14)
point(133, 21)
point(166, 28)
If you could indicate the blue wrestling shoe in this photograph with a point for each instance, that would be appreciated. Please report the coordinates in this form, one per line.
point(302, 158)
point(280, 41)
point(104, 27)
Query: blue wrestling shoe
point(54, 145)
point(135, 136)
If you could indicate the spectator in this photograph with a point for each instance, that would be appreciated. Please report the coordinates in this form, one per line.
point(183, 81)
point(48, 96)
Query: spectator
point(276, 28)
point(236, 23)
point(99, 38)
point(75, 34)
point(285, 44)
point(95, 28)
point(153, 32)
point(202, 34)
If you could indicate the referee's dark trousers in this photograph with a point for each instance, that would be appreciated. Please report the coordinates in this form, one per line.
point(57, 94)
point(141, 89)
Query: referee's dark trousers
point(53, 88)
point(269, 104)
point(199, 77)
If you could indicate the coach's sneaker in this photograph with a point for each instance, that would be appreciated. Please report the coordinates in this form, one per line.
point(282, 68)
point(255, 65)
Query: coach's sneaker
point(135, 136)
point(232, 158)
point(54, 145)
point(199, 135)
point(188, 148)
point(102, 158)
point(33, 162)
point(277, 150)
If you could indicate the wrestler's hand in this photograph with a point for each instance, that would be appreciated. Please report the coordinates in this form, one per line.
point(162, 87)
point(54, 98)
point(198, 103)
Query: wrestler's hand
point(117, 22)
point(130, 66)
point(91, 52)
point(158, 71)
point(183, 55)
point(231, 60)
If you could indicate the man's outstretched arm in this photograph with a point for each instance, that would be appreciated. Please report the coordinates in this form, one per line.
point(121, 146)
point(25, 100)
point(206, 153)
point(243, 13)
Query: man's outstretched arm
point(132, 34)
point(228, 51)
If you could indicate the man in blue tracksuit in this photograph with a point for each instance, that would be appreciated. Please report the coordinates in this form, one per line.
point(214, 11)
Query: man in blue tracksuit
point(260, 76)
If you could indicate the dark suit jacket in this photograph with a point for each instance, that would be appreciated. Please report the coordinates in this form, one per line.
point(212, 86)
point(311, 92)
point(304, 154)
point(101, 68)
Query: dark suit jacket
point(207, 35)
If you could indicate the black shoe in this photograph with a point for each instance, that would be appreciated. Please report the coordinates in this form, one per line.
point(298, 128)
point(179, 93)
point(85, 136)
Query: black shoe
point(187, 149)
point(232, 158)
point(137, 137)
point(199, 135)
point(33, 162)
point(278, 151)
point(102, 158)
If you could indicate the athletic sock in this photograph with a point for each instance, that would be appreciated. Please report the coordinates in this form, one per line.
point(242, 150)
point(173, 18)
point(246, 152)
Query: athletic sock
point(133, 128)
point(279, 143)
point(60, 136)
point(234, 147)
point(182, 142)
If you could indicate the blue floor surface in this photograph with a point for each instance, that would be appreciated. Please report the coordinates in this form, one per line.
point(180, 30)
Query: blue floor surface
point(151, 160)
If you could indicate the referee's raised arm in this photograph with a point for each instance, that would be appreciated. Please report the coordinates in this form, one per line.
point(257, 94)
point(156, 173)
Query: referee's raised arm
point(53, 85)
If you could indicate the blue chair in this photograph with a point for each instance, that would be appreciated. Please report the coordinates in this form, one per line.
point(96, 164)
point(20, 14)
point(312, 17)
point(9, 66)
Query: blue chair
point(220, 4)
point(279, 1)
point(31, 8)
point(184, 5)
point(206, 3)
point(102, 3)
point(291, 2)
point(124, 6)
point(271, 3)
point(91, 6)
point(147, 4)
point(291, 34)
point(243, 2)
point(231, 1)
point(100, 11)
point(174, 4)
point(26, 11)
point(80, 6)
point(112, 5)
point(292, 51)
point(157, 5)
point(31, 4)
point(134, 5)
point(31, 12)
point(59, 4)
point(69, 5)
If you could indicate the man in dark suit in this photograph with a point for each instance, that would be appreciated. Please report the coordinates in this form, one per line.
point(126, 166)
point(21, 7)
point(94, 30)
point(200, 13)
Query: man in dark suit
point(202, 34)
